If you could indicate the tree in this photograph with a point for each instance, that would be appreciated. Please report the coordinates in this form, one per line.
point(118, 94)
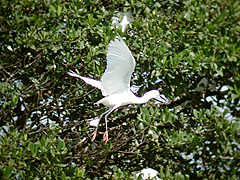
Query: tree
point(189, 49)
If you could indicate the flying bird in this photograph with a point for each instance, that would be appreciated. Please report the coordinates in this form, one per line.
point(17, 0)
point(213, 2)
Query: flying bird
point(115, 82)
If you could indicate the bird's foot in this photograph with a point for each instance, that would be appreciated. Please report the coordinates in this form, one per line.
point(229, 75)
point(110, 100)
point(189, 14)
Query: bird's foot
point(105, 136)
point(94, 134)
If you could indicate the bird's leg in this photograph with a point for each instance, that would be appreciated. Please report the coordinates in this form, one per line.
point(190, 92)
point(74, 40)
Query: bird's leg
point(94, 134)
point(105, 135)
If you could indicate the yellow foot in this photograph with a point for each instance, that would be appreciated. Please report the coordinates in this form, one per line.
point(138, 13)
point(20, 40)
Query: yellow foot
point(94, 134)
point(105, 136)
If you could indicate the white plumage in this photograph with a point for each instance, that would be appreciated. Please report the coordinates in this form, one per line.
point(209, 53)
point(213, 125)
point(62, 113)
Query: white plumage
point(115, 82)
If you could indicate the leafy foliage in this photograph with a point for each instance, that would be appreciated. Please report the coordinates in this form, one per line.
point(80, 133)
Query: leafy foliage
point(189, 49)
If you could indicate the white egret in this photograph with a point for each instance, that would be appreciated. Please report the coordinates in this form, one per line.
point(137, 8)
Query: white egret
point(148, 173)
point(115, 82)
point(125, 21)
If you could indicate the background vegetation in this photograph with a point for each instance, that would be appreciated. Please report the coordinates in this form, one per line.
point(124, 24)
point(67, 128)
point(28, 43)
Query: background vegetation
point(190, 49)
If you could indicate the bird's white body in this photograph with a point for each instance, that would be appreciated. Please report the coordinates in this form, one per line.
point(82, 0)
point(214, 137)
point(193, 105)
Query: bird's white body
point(126, 97)
point(125, 21)
point(118, 99)
point(148, 173)
point(115, 82)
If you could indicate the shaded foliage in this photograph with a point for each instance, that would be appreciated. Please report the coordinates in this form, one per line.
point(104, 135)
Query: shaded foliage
point(187, 49)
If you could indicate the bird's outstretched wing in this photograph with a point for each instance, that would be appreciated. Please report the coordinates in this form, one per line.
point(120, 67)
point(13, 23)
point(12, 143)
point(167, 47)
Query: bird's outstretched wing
point(87, 80)
point(120, 66)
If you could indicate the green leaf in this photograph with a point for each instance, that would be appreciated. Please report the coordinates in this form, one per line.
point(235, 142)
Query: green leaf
point(34, 149)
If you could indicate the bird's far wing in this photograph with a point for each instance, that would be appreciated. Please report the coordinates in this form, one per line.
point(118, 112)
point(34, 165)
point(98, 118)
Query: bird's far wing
point(120, 66)
point(87, 80)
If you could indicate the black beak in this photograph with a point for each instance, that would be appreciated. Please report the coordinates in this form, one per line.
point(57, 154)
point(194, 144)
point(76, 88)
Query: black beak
point(161, 99)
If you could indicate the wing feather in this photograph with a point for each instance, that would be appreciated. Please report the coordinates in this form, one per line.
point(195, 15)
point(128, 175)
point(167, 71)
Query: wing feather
point(87, 80)
point(120, 66)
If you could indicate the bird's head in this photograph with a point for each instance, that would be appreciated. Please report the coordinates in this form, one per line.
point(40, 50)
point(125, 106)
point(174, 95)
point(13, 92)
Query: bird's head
point(154, 94)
